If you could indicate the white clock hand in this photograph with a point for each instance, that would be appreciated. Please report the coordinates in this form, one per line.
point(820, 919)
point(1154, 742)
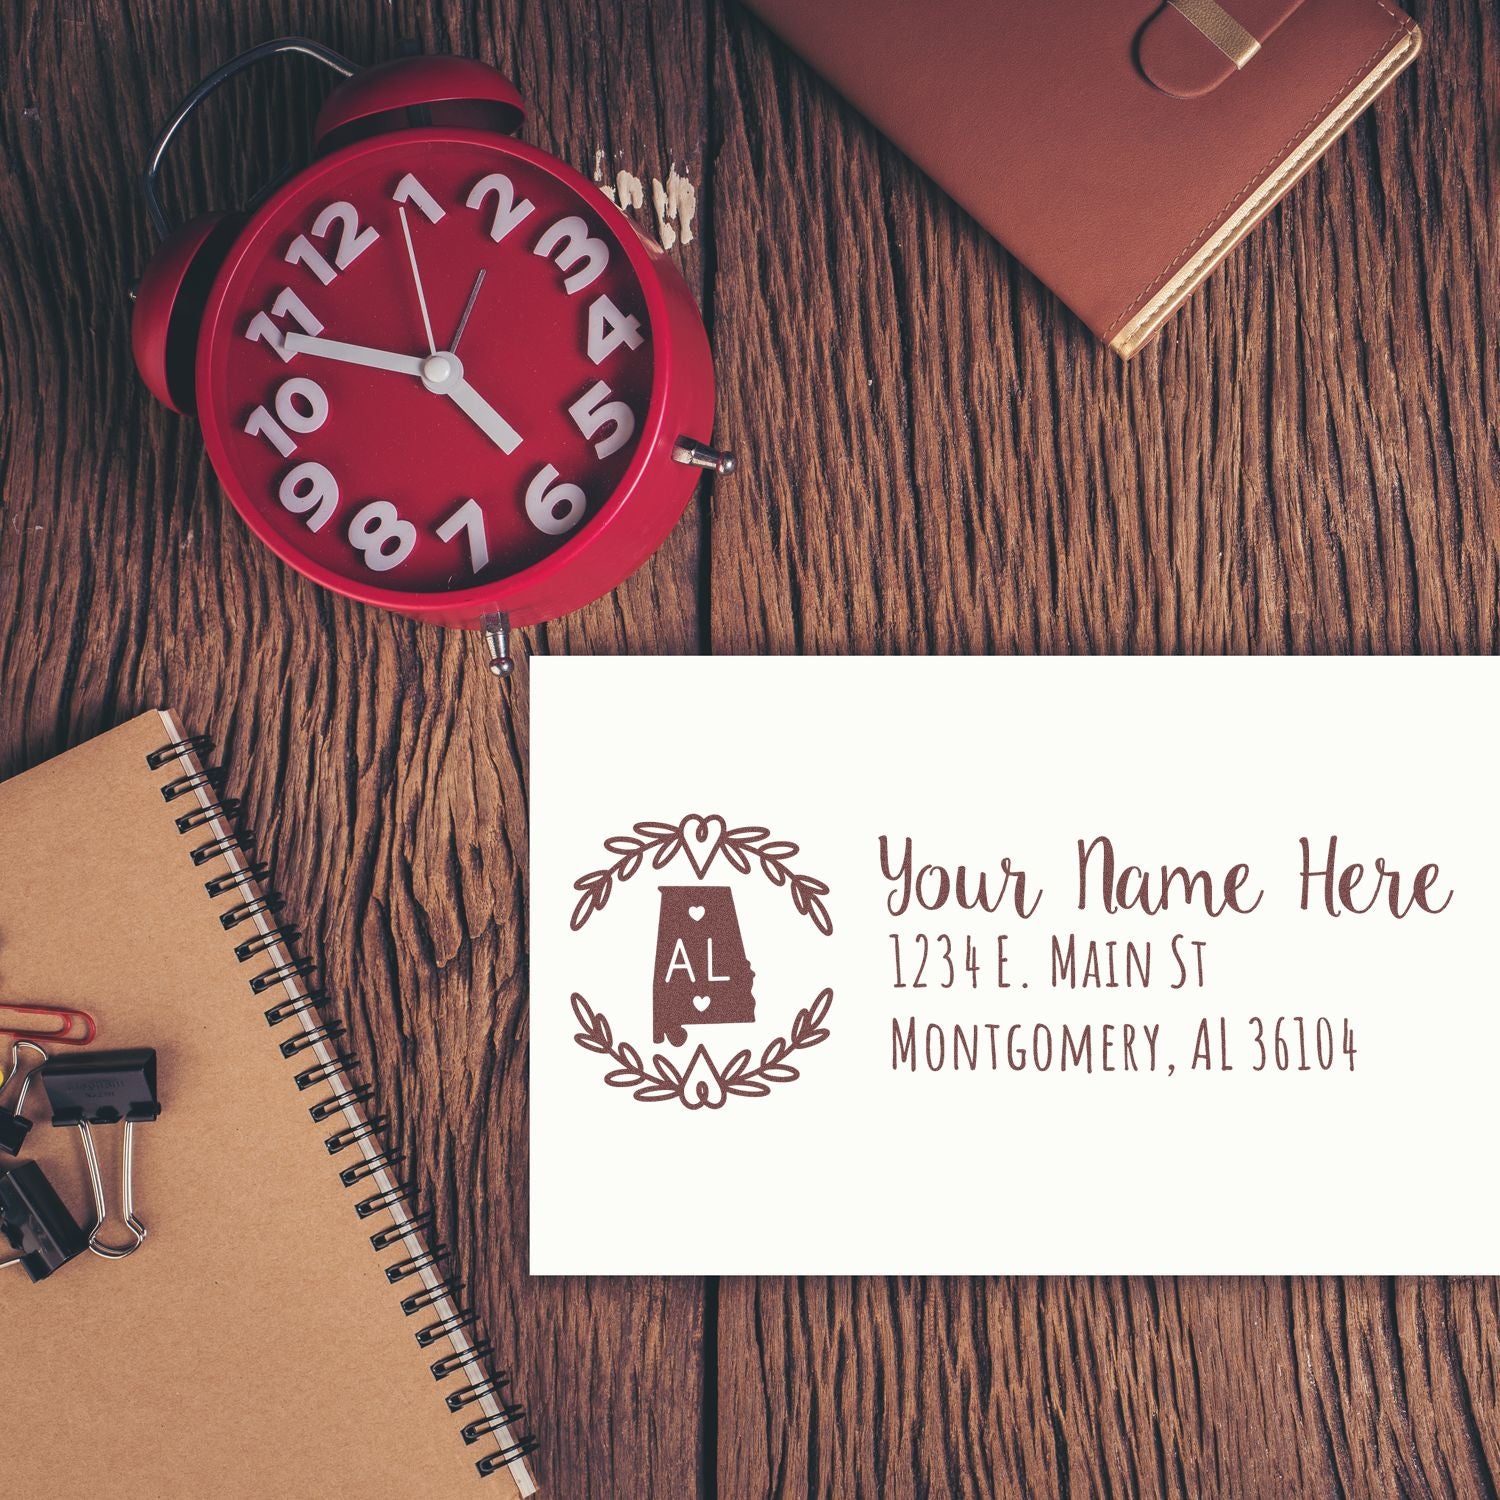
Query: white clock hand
point(483, 415)
point(353, 354)
point(444, 375)
point(440, 373)
point(416, 276)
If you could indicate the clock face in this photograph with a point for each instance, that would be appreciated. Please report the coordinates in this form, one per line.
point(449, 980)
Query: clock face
point(428, 364)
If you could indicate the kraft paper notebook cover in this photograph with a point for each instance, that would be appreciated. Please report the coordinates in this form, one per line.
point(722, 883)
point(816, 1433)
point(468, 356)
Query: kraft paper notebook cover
point(254, 1346)
point(1119, 148)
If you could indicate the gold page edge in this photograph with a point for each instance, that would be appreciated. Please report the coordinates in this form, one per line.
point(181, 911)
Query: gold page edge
point(1143, 327)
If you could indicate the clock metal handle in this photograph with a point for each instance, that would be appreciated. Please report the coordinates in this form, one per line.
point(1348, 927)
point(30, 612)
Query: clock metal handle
point(297, 44)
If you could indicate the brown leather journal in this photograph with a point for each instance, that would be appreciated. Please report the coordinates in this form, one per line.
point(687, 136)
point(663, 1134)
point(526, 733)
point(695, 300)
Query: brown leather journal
point(1119, 148)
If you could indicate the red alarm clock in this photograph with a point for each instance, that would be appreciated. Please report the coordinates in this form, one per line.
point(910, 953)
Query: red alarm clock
point(437, 369)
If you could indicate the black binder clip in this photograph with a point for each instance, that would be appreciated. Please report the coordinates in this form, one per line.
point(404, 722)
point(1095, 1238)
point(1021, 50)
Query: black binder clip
point(36, 1224)
point(106, 1088)
point(14, 1126)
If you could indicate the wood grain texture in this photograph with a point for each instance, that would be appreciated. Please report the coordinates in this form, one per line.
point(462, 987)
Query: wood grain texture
point(936, 457)
point(383, 771)
point(1308, 460)
point(1302, 463)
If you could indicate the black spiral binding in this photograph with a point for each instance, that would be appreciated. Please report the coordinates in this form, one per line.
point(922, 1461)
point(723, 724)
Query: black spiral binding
point(243, 888)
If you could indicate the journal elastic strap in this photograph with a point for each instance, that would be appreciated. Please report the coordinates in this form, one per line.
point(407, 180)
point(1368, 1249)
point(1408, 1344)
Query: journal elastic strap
point(1220, 28)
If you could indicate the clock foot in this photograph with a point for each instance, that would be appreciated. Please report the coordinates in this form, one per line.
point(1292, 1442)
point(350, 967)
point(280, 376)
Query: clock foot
point(701, 456)
point(496, 629)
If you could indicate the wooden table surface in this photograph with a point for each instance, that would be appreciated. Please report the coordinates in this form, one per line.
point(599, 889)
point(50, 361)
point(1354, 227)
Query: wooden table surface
point(935, 458)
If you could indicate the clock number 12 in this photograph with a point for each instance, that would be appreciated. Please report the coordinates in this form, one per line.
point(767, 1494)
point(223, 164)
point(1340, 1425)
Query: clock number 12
point(353, 242)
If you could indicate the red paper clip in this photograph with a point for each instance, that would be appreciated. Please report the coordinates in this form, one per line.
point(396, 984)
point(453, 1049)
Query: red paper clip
point(47, 1023)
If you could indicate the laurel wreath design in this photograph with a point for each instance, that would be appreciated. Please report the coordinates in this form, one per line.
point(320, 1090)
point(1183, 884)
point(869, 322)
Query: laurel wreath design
point(663, 1079)
point(742, 847)
point(745, 849)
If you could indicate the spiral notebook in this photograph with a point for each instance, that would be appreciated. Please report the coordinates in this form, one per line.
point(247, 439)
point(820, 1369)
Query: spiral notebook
point(286, 1329)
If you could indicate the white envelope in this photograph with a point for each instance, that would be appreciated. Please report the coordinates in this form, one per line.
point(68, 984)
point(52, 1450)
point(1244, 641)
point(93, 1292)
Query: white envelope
point(977, 965)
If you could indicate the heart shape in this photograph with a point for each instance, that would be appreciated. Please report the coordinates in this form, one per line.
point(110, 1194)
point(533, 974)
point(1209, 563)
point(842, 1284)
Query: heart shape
point(702, 1002)
point(696, 913)
point(701, 838)
point(701, 1085)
